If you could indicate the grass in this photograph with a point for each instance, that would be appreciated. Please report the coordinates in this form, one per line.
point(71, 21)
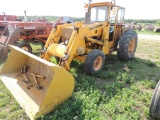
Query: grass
point(9, 108)
point(36, 48)
point(147, 32)
point(122, 91)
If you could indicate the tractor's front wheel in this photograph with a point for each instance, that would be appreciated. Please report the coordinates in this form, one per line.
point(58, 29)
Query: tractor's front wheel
point(154, 110)
point(94, 62)
point(25, 46)
point(127, 45)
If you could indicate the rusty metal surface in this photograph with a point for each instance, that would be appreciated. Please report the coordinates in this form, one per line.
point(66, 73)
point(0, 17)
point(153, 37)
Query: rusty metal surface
point(8, 17)
point(6, 40)
point(3, 24)
point(28, 31)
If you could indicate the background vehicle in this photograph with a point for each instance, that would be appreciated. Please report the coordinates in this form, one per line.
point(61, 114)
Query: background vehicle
point(23, 33)
point(89, 41)
point(15, 32)
point(3, 24)
point(4, 19)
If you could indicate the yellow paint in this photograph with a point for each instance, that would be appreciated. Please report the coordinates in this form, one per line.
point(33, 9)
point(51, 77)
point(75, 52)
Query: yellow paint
point(57, 87)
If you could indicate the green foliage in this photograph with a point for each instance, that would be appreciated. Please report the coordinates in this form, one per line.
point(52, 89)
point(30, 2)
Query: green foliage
point(106, 75)
point(150, 64)
point(147, 32)
point(36, 48)
point(158, 22)
point(125, 78)
point(154, 21)
point(118, 106)
point(114, 88)
point(131, 65)
point(148, 83)
point(54, 60)
point(9, 108)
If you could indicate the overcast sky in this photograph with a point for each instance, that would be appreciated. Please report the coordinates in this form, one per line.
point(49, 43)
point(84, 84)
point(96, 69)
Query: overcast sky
point(135, 9)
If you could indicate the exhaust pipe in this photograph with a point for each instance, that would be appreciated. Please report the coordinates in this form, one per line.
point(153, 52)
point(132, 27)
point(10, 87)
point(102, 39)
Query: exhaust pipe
point(88, 14)
point(25, 17)
point(4, 17)
point(89, 4)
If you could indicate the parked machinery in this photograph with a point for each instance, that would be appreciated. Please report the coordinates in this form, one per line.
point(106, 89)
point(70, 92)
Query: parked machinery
point(15, 32)
point(102, 33)
point(23, 33)
point(4, 19)
point(3, 24)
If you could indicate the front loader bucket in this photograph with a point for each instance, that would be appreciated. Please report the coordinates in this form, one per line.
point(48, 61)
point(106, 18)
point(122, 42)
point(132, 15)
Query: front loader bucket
point(56, 86)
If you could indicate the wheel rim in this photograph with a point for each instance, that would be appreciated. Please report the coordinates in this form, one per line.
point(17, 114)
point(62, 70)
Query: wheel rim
point(131, 46)
point(98, 63)
point(25, 48)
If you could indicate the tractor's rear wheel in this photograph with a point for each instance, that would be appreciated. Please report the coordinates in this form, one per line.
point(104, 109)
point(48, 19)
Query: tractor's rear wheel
point(94, 62)
point(127, 45)
point(25, 46)
point(154, 109)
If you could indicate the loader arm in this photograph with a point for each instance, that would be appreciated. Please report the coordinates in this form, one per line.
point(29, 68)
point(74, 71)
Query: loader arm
point(54, 36)
point(76, 45)
point(56, 33)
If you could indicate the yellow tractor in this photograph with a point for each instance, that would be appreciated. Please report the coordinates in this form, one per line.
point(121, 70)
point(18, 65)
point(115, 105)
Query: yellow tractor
point(39, 85)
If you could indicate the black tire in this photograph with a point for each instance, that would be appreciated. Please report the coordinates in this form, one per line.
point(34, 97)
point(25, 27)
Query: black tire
point(25, 46)
point(154, 110)
point(127, 45)
point(91, 59)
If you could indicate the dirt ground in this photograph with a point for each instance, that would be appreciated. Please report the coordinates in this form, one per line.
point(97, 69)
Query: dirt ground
point(149, 36)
